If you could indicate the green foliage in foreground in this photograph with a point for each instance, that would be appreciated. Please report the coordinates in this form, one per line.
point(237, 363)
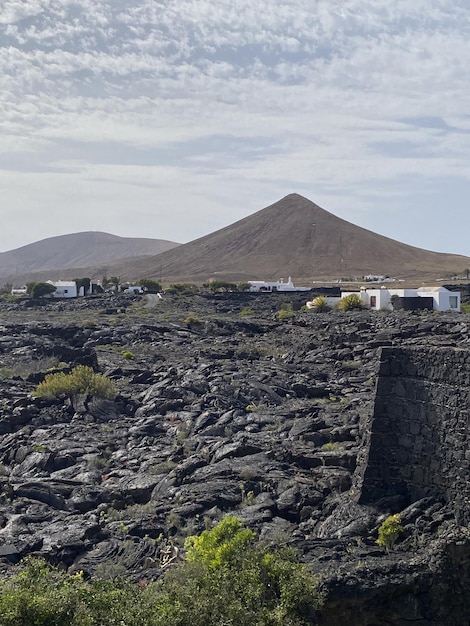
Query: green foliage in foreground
point(82, 379)
point(226, 580)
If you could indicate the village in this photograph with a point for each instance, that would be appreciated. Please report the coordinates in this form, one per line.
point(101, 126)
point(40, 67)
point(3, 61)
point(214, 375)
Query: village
point(376, 296)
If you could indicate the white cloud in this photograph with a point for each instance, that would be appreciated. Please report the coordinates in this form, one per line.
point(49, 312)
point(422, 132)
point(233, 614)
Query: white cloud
point(235, 99)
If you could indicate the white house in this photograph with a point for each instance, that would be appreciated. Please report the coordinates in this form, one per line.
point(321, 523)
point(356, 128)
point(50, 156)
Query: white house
point(439, 298)
point(444, 299)
point(375, 278)
point(64, 288)
point(133, 289)
point(274, 286)
point(19, 291)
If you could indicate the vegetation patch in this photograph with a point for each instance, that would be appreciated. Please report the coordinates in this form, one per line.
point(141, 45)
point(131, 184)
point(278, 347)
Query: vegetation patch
point(320, 304)
point(82, 379)
point(128, 354)
point(226, 579)
point(285, 312)
point(351, 302)
point(389, 531)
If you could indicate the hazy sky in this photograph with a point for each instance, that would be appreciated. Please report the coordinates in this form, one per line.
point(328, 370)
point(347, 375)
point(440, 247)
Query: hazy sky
point(173, 118)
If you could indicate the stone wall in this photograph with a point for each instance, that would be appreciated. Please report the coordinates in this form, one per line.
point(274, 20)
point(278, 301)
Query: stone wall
point(418, 434)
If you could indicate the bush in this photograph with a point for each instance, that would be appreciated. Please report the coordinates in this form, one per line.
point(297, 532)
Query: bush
point(39, 290)
point(221, 285)
point(229, 580)
point(150, 285)
point(82, 379)
point(191, 318)
point(243, 286)
point(286, 312)
point(128, 354)
point(320, 304)
point(41, 595)
point(225, 580)
point(389, 531)
point(246, 311)
point(350, 302)
point(182, 289)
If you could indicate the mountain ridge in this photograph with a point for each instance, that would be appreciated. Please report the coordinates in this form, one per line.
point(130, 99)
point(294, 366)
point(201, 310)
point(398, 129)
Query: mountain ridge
point(295, 237)
point(75, 250)
point(291, 237)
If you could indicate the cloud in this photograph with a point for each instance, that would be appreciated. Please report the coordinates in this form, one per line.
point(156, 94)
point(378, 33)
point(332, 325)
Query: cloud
point(235, 99)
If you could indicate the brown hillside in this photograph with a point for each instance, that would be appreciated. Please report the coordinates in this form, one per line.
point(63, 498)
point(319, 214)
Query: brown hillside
point(66, 252)
point(293, 237)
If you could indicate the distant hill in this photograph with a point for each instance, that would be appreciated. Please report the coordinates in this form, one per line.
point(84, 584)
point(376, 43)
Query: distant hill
point(67, 252)
point(294, 237)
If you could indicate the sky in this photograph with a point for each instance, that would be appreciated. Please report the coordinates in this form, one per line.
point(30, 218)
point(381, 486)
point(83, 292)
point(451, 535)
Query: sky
point(171, 119)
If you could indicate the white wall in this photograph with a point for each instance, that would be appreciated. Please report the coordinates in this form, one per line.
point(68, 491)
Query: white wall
point(444, 300)
point(64, 290)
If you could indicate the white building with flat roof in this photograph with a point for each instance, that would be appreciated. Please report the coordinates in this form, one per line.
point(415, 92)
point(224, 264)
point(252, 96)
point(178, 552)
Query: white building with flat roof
point(264, 286)
point(64, 288)
point(382, 299)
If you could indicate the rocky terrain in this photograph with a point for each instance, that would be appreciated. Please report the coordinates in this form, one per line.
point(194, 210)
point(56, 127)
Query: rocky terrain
point(219, 413)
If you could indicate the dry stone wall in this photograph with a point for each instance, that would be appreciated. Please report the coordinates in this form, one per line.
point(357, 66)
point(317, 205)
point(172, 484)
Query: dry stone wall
point(419, 430)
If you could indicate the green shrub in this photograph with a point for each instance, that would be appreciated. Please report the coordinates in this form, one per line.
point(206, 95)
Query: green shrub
point(150, 285)
point(246, 311)
point(226, 579)
point(465, 307)
point(320, 304)
point(39, 290)
point(350, 302)
point(127, 354)
point(389, 531)
point(182, 289)
point(330, 446)
point(191, 318)
point(222, 285)
point(43, 596)
point(243, 286)
point(285, 312)
point(82, 379)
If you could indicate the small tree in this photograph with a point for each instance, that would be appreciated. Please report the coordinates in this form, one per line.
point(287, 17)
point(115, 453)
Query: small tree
point(150, 285)
point(40, 290)
point(243, 286)
point(389, 531)
point(6, 289)
point(182, 289)
point(116, 281)
point(222, 285)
